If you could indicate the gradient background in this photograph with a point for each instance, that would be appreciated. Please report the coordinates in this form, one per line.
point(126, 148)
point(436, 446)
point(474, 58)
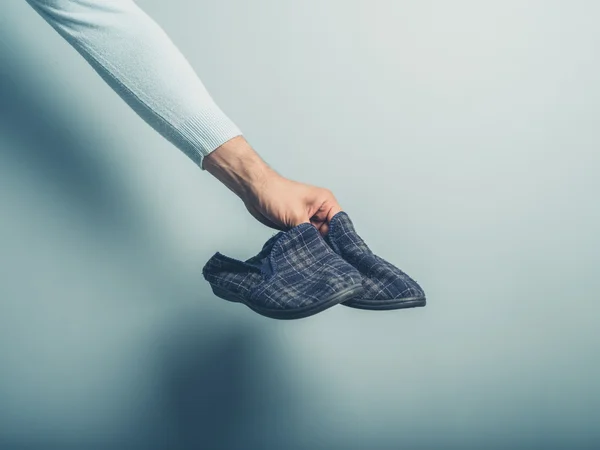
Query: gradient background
point(462, 138)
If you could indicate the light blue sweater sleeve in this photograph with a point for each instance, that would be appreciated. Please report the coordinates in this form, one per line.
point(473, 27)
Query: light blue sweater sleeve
point(137, 59)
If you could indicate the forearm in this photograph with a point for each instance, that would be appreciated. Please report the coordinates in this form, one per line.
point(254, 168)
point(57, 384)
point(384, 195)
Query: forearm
point(239, 167)
point(139, 61)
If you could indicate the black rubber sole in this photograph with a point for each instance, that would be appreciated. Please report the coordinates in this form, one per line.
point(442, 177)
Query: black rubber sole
point(385, 305)
point(298, 313)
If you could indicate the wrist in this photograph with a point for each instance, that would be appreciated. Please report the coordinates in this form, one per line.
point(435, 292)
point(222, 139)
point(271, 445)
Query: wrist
point(239, 167)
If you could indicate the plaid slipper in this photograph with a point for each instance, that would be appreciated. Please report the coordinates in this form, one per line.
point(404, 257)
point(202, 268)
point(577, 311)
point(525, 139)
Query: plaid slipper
point(295, 275)
point(385, 285)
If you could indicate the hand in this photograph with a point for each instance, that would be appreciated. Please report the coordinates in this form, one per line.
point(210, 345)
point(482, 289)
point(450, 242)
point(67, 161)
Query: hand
point(282, 204)
point(272, 199)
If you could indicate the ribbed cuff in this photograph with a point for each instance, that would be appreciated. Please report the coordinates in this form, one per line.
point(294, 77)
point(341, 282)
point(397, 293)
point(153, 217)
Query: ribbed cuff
point(206, 132)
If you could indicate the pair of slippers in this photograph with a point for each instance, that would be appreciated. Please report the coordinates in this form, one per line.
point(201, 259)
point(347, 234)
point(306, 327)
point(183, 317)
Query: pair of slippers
point(298, 273)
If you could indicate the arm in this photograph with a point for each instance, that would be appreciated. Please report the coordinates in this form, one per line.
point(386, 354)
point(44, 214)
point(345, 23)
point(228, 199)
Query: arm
point(139, 61)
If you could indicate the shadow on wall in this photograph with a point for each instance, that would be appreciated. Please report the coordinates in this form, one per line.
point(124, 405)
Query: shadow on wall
point(48, 140)
point(217, 389)
point(226, 394)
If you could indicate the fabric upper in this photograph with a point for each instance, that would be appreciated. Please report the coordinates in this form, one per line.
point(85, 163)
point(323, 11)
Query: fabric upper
point(381, 279)
point(294, 269)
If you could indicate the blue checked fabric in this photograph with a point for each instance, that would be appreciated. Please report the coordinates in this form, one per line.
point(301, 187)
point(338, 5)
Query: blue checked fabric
point(295, 272)
point(385, 285)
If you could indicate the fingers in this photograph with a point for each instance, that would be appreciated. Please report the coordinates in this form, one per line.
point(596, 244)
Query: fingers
point(328, 208)
point(324, 229)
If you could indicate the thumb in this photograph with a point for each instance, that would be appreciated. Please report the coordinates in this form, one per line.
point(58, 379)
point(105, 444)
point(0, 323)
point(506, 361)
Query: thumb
point(323, 215)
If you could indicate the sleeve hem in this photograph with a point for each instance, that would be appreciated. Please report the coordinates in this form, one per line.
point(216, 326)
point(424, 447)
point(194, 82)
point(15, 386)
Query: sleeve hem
point(207, 131)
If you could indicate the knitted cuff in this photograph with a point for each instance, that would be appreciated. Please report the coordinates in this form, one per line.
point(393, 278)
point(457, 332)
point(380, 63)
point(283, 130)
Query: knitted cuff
point(206, 131)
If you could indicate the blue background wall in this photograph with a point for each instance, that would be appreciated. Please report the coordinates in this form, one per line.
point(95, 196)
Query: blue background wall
point(462, 138)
